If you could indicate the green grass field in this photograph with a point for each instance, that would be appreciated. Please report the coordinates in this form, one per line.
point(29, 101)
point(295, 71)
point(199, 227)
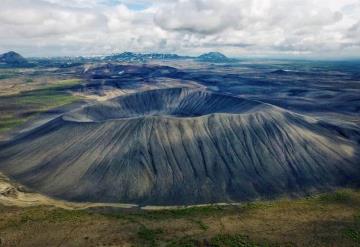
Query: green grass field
point(8, 73)
point(331, 219)
point(17, 109)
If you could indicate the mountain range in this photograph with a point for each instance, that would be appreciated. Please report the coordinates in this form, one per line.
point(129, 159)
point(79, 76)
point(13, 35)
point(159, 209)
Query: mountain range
point(214, 57)
point(14, 59)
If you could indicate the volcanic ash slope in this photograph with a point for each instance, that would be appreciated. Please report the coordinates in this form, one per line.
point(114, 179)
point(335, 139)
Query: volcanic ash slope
point(180, 146)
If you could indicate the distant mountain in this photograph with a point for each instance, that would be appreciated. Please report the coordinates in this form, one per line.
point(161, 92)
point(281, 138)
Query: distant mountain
point(214, 57)
point(125, 56)
point(139, 57)
point(13, 59)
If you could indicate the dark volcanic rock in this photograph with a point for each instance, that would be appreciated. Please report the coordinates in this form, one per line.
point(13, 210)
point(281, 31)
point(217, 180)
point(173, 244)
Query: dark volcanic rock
point(180, 146)
point(143, 71)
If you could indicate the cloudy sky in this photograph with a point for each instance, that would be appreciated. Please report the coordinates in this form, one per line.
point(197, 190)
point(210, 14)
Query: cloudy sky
point(279, 28)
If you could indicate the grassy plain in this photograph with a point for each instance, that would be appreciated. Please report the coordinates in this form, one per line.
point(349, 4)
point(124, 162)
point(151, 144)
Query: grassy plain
point(331, 219)
point(17, 108)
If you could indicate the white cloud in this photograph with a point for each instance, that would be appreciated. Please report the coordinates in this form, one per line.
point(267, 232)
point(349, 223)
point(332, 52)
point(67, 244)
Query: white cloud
point(236, 27)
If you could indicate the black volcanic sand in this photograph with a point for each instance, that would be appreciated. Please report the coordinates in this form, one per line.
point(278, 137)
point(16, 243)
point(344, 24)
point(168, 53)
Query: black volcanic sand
point(182, 146)
point(317, 88)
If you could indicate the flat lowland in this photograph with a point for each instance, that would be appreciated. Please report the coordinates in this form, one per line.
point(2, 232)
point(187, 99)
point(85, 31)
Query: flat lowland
point(330, 219)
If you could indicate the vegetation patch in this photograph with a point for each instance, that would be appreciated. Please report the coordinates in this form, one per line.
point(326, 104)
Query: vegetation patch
point(185, 242)
point(186, 212)
point(149, 237)
point(18, 108)
point(353, 232)
point(201, 224)
point(50, 96)
point(277, 223)
point(43, 215)
point(29, 80)
point(45, 99)
point(336, 197)
point(221, 240)
point(6, 74)
point(9, 122)
point(179, 213)
point(63, 215)
point(226, 240)
point(64, 84)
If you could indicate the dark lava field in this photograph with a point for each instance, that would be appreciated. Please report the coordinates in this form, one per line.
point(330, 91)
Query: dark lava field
point(174, 131)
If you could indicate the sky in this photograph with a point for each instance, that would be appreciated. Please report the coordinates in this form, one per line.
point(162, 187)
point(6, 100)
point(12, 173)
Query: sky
point(238, 28)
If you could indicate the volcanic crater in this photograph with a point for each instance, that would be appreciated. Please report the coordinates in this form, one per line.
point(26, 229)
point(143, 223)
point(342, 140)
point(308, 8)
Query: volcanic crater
point(173, 102)
point(180, 146)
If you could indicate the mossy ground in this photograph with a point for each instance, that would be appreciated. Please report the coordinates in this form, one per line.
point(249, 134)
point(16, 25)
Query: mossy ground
point(17, 109)
point(8, 73)
point(331, 219)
